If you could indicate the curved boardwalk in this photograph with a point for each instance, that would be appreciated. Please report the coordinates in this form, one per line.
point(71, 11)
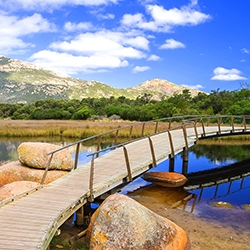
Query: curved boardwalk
point(30, 221)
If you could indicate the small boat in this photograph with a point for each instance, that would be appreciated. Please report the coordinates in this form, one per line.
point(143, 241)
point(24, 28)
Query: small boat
point(165, 179)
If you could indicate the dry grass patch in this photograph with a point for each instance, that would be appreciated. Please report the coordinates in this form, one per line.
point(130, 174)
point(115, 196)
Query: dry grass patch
point(74, 129)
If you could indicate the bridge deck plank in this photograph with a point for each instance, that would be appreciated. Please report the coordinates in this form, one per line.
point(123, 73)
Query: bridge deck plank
point(26, 222)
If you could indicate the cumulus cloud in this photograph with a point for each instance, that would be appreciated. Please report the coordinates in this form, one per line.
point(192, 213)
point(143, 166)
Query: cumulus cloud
point(198, 86)
point(183, 16)
point(92, 52)
point(172, 44)
point(164, 20)
point(138, 69)
point(12, 31)
point(71, 64)
point(223, 74)
point(49, 5)
point(153, 58)
point(104, 43)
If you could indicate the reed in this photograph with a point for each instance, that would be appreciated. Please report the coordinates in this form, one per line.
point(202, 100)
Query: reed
point(75, 129)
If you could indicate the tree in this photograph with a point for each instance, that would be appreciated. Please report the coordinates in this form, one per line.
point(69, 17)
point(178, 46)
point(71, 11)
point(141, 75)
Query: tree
point(82, 114)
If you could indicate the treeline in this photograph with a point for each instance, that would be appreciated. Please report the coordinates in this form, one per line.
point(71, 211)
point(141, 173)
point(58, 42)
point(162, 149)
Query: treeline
point(143, 108)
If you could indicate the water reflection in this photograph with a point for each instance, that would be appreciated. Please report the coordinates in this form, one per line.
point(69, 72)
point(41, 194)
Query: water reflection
point(170, 197)
point(8, 147)
point(211, 180)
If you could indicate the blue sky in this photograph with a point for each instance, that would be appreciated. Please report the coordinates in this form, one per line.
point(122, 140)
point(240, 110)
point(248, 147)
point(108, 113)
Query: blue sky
point(199, 44)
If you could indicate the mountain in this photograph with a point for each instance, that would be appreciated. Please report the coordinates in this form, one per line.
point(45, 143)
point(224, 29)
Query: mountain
point(24, 82)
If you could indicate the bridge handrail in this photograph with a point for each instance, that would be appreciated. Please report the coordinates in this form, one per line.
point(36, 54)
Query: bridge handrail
point(188, 120)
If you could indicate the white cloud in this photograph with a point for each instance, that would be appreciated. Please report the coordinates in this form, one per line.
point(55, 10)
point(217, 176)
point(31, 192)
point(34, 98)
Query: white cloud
point(106, 16)
point(165, 20)
point(71, 27)
point(49, 5)
point(246, 51)
point(71, 64)
point(184, 16)
point(138, 69)
point(104, 43)
point(13, 33)
point(139, 42)
point(92, 52)
point(138, 21)
point(153, 58)
point(223, 74)
point(198, 86)
point(172, 44)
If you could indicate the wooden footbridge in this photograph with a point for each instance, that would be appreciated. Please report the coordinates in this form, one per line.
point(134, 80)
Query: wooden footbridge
point(30, 220)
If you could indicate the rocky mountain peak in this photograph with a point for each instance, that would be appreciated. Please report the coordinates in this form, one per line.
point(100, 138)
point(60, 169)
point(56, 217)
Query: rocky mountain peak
point(24, 82)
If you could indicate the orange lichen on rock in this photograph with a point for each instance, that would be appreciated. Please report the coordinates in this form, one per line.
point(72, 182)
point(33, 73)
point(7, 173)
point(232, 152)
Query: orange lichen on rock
point(15, 171)
point(126, 224)
point(165, 179)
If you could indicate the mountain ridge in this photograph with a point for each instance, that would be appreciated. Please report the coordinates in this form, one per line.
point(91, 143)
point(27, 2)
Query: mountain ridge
point(24, 82)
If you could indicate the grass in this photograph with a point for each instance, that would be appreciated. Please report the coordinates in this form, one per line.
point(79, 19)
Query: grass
point(72, 129)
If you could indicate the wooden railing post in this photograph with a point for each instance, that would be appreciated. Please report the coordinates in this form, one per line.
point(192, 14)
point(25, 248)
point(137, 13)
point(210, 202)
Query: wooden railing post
point(91, 179)
point(130, 133)
point(116, 137)
point(46, 169)
point(169, 124)
point(185, 136)
point(142, 130)
point(152, 151)
point(244, 124)
point(99, 145)
point(171, 144)
point(219, 122)
point(203, 127)
point(156, 126)
point(232, 123)
point(125, 151)
point(196, 132)
point(77, 154)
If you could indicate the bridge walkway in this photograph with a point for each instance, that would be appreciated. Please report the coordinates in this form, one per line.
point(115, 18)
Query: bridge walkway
point(31, 221)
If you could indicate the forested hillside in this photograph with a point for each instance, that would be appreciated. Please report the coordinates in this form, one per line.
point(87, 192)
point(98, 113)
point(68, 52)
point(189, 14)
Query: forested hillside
point(143, 108)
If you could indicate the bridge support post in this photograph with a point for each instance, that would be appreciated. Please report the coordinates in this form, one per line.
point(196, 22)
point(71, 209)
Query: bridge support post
point(171, 165)
point(82, 214)
point(185, 161)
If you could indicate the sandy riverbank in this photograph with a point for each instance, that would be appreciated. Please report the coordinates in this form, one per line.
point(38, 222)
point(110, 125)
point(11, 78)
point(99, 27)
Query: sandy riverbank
point(203, 234)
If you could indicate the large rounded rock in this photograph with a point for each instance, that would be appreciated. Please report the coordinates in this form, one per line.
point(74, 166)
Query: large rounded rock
point(14, 171)
point(122, 223)
point(35, 155)
point(16, 188)
point(165, 179)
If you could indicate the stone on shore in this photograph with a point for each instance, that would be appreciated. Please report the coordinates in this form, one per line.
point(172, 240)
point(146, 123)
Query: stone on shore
point(165, 179)
point(35, 155)
point(246, 207)
point(122, 223)
point(222, 204)
point(15, 171)
point(16, 188)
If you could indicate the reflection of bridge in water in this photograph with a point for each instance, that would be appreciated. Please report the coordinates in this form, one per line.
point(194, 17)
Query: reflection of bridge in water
point(213, 178)
point(30, 220)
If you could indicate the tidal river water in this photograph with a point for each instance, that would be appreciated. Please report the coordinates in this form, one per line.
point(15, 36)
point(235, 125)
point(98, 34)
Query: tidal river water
point(219, 187)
